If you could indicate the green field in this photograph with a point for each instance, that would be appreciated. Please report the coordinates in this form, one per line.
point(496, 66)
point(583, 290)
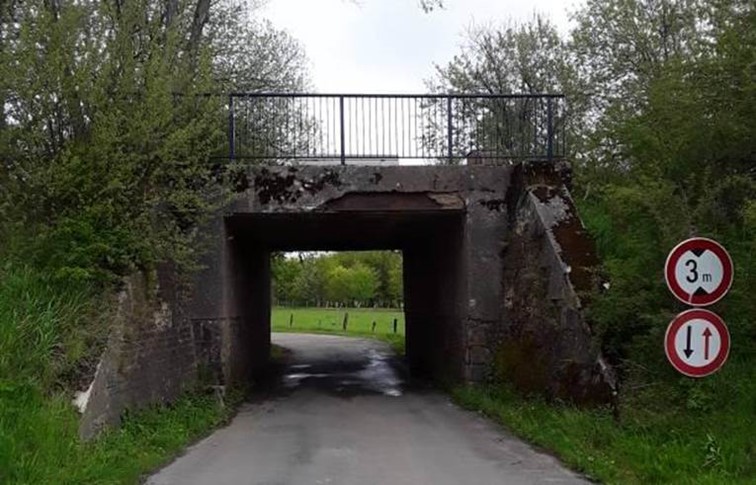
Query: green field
point(331, 320)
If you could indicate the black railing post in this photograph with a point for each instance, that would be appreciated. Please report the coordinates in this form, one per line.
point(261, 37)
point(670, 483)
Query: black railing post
point(341, 124)
point(549, 129)
point(449, 127)
point(231, 129)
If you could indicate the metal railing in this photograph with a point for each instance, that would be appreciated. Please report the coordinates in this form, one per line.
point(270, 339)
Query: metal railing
point(345, 128)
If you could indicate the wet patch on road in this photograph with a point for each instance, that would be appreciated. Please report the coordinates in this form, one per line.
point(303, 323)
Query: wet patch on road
point(373, 372)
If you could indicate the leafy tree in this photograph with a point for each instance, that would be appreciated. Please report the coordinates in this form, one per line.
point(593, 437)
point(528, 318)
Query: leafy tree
point(310, 286)
point(626, 52)
point(516, 58)
point(345, 278)
point(387, 268)
point(337, 284)
point(104, 140)
point(387, 265)
point(347, 286)
point(394, 290)
point(363, 284)
point(524, 58)
point(254, 56)
point(621, 46)
point(285, 273)
point(668, 155)
point(661, 96)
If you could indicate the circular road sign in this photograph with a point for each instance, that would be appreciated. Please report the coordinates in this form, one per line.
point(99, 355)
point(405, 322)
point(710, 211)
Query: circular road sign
point(697, 342)
point(698, 271)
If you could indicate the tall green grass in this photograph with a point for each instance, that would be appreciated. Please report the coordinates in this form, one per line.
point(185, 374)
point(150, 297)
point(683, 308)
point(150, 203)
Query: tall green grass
point(663, 436)
point(44, 326)
point(39, 442)
point(50, 334)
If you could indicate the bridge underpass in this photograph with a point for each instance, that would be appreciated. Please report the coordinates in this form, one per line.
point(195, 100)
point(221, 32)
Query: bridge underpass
point(493, 257)
point(496, 261)
point(359, 208)
point(342, 415)
point(430, 236)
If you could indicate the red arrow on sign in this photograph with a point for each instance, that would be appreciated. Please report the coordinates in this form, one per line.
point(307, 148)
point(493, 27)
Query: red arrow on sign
point(706, 336)
point(697, 342)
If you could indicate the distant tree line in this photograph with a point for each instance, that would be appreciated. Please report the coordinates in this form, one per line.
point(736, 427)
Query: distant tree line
point(358, 279)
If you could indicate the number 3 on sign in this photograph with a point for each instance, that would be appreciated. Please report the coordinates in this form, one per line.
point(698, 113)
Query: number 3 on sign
point(692, 263)
point(698, 271)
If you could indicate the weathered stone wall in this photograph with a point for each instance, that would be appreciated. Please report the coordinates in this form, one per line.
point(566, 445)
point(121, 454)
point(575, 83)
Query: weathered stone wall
point(150, 355)
point(550, 270)
point(497, 265)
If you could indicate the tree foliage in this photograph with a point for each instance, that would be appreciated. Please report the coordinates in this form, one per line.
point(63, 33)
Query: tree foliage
point(516, 58)
point(369, 278)
point(683, 163)
point(662, 111)
point(527, 58)
point(105, 132)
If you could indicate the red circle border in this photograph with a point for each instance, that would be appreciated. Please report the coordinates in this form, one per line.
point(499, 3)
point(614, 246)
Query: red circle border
point(727, 269)
point(674, 327)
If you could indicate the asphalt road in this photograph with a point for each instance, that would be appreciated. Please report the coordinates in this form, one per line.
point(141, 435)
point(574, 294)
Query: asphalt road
point(343, 416)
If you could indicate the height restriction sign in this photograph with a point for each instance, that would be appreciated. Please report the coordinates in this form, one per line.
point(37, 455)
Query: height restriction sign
point(697, 342)
point(698, 271)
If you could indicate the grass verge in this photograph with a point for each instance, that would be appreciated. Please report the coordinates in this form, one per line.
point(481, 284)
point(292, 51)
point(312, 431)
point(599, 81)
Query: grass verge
point(39, 441)
point(49, 335)
point(330, 321)
point(654, 442)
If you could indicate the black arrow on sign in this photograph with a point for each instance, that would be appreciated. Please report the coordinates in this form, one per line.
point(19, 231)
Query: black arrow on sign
point(688, 351)
point(706, 336)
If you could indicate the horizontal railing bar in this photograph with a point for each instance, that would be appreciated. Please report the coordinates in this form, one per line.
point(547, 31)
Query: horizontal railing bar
point(338, 159)
point(370, 157)
point(391, 96)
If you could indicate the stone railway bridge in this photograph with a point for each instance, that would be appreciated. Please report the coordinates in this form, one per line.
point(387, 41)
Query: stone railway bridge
point(497, 270)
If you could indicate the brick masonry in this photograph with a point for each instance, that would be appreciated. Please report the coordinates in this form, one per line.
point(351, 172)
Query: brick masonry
point(150, 356)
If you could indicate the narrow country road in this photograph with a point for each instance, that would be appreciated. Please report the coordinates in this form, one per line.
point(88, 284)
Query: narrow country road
point(343, 416)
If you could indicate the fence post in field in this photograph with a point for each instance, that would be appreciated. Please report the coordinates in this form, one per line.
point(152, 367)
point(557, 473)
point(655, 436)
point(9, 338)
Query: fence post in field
point(291, 320)
point(373, 326)
point(395, 324)
point(346, 320)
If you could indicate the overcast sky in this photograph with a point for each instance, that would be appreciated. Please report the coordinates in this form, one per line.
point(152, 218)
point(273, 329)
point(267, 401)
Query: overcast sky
point(390, 46)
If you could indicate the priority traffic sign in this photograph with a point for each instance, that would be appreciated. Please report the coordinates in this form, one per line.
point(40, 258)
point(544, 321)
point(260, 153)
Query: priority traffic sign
point(698, 271)
point(697, 342)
